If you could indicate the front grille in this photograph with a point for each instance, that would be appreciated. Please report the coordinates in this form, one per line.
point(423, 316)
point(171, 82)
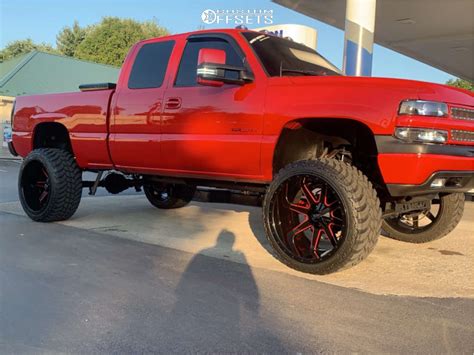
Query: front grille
point(461, 113)
point(462, 136)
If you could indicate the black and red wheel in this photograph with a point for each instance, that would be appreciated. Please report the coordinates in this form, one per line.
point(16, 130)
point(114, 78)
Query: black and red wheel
point(49, 185)
point(321, 216)
point(167, 196)
point(428, 225)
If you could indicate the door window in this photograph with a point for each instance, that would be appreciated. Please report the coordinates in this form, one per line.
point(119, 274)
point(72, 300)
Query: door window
point(187, 68)
point(150, 65)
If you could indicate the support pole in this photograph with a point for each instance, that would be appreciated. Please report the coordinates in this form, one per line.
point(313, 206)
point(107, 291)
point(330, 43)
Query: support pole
point(359, 37)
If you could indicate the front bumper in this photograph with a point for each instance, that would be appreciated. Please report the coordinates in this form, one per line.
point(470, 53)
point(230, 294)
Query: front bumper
point(409, 169)
point(456, 181)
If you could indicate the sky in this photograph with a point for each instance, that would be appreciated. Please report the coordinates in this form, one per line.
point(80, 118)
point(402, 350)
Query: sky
point(41, 20)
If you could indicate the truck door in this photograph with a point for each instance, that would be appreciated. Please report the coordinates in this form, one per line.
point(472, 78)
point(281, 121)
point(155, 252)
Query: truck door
point(211, 130)
point(135, 126)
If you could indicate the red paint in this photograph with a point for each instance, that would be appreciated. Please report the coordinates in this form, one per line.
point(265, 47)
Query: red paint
point(84, 114)
point(230, 132)
point(417, 168)
point(207, 55)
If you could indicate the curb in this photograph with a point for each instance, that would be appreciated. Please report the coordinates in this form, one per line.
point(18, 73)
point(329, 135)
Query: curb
point(11, 158)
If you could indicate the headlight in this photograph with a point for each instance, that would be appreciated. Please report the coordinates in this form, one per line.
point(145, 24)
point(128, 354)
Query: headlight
point(423, 108)
point(423, 135)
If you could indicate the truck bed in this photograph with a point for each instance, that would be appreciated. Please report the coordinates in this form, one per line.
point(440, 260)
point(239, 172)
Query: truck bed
point(84, 114)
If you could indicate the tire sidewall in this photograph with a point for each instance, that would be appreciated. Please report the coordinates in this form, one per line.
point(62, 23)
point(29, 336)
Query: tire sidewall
point(65, 182)
point(53, 179)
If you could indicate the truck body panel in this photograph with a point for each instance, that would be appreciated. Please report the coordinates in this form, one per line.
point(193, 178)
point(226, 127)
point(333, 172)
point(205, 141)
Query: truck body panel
point(231, 132)
point(83, 114)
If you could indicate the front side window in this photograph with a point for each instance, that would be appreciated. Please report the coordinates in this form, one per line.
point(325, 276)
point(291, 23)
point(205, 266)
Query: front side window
point(187, 68)
point(150, 65)
point(282, 57)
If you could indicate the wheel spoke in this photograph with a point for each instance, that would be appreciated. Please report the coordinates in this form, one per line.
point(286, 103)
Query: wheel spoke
point(329, 233)
point(316, 238)
point(325, 197)
point(333, 220)
point(416, 221)
point(299, 208)
point(286, 195)
point(303, 226)
point(43, 195)
point(292, 234)
point(310, 197)
point(430, 216)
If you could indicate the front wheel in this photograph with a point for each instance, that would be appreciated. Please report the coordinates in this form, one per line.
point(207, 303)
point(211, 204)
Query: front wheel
point(426, 226)
point(321, 216)
point(167, 196)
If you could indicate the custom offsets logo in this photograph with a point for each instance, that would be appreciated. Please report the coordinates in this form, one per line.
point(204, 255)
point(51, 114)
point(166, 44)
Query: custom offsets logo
point(237, 17)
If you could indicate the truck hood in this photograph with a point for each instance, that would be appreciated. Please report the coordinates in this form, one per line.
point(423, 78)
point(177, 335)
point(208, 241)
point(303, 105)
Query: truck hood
point(372, 101)
point(411, 88)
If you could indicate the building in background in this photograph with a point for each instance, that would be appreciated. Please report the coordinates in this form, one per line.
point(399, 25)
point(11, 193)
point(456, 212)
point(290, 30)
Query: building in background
point(44, 73)
point(439, 33)
point(298, 33)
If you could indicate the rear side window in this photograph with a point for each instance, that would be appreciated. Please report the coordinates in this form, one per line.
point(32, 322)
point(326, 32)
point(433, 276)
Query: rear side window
point(150, 65)
point(187, 68)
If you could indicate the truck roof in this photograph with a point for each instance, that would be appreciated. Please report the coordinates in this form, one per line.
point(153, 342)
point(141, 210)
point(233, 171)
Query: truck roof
point(186, 34)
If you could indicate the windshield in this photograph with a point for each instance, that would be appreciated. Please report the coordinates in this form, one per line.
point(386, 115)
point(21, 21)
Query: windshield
point(282, 57)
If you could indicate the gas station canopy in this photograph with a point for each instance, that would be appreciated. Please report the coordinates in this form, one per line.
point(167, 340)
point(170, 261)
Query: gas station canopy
point(439, 33)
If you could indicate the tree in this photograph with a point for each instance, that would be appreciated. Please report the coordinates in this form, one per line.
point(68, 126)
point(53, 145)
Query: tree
point(151, 29)
point(20, 47)
point(109, 41)
point(460, 83)
point(69, 38)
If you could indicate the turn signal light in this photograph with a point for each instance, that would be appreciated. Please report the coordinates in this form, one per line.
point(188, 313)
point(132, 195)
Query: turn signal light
point(422, 135)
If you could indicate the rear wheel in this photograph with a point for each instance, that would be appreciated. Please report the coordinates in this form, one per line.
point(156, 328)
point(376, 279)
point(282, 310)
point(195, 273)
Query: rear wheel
point(426, 226)
point(321, 216)
point(49, 185)
point(169, 196)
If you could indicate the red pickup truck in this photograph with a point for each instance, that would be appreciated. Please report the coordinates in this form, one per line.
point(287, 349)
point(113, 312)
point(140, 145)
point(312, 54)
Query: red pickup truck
point(336, 158)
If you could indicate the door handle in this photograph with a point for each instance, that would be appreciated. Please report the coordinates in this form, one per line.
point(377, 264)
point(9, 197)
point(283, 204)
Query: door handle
point(173, 103)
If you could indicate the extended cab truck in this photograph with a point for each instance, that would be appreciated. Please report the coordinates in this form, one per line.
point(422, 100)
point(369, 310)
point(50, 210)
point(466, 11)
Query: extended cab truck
point(336, 157)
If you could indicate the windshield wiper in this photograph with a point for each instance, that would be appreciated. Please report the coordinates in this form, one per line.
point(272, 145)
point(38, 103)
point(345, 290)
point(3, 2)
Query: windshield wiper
point(298, 71)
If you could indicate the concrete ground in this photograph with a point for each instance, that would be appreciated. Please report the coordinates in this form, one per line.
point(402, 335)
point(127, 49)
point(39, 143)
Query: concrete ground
point(5, 153)
point(122, 276)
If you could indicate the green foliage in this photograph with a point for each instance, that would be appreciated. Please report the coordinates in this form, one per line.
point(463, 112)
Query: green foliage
point(69, 38)
point(16, 48)
point(109, 41)
point(151, 29)
point(106, 42)
point(460, 83)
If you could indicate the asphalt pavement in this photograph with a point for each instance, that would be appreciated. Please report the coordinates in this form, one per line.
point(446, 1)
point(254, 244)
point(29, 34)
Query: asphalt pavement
point(83, 288)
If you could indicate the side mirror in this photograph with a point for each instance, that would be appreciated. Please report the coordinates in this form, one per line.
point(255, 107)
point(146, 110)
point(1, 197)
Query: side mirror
point(211, 69)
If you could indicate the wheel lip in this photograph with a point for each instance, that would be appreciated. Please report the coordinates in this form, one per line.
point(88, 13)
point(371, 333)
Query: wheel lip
point(347, 225)
point(23, 198)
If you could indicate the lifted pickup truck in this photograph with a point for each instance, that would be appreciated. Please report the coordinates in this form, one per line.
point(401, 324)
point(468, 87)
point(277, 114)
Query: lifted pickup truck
point(337, 158)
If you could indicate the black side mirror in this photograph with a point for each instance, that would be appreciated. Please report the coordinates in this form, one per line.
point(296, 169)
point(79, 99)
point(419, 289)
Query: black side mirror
point(214, 72)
